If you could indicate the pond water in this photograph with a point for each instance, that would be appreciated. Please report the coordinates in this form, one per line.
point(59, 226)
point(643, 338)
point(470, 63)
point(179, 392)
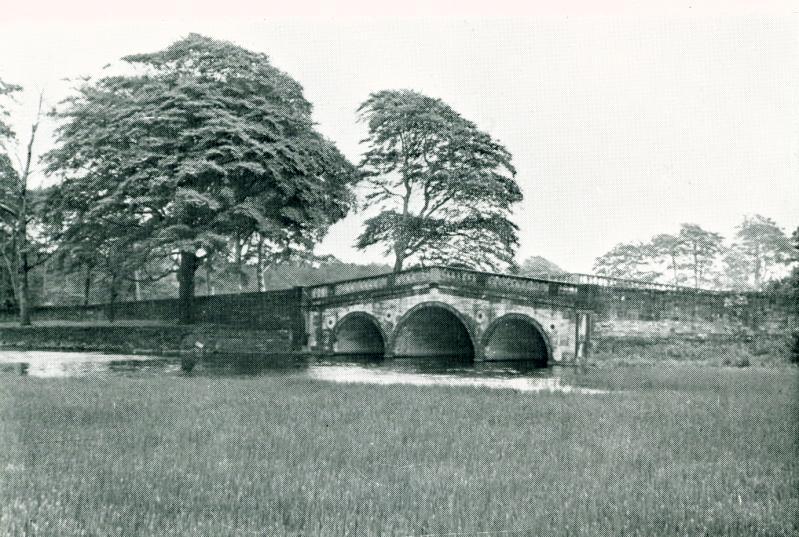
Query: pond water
point(350, 369)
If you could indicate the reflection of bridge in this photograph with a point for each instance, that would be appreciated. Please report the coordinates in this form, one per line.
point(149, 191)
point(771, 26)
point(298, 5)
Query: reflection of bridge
point(439, 311)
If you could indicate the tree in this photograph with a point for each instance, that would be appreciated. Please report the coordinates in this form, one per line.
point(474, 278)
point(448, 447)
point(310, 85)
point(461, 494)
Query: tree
point(699, 250)
point(201, 142)
point(444, 188)
point(16, 209)
point(537, 266)
point(8, 184)
point(794, 283)
point(763, 245)
point(626, 260)
point(667, 249)
point(736, 268)
point(108, 251)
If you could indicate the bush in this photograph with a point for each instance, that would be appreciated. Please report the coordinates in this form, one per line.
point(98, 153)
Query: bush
point(795, 348)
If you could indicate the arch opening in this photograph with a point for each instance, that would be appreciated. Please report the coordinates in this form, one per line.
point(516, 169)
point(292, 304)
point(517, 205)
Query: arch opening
point(358, 333)
point(433, 331)
point(516, 338)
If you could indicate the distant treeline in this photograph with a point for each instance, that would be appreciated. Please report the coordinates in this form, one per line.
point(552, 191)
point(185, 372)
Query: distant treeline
point(758, 257)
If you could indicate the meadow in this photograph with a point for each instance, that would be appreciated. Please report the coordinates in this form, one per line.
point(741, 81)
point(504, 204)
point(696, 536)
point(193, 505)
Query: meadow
point(677, 450)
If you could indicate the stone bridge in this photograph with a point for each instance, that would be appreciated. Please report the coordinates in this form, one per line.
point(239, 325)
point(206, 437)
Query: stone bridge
point(441, 311)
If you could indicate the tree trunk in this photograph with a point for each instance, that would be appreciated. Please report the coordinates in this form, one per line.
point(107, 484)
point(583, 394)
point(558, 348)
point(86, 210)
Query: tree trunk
point(87, 285)
point(22, 229)
point(113, 292)
point(137, 286)
point(209, 289)
point(24, 292)
point(44, 283)
point(260, 269)
point(758, 269)
point(674, 270)
point(398, 264)
point(399, 255)
point(186, 270)
point(240, 263)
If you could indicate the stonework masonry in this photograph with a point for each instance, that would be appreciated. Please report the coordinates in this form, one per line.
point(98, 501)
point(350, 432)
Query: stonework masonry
point(479, 310)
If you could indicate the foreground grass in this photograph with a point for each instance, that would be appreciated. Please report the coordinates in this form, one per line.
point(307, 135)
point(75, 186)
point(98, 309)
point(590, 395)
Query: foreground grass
point(682, 451)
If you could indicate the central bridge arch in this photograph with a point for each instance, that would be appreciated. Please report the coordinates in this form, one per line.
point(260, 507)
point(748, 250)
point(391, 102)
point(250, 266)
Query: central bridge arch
point(434, 329)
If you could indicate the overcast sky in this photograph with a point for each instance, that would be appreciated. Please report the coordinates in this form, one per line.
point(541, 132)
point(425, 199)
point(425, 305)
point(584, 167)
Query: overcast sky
point(622, 124)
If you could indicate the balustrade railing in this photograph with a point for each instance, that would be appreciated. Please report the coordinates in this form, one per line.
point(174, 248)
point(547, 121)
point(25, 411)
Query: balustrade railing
point(619, 283)
point(447, 275)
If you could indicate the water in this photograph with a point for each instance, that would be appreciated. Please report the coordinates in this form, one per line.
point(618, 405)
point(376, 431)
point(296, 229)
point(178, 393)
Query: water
point(517, 376)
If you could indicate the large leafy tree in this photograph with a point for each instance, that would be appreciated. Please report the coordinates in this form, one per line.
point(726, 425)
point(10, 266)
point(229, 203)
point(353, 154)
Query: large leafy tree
point(444, 188)
point(763, 246)
point(196, 144)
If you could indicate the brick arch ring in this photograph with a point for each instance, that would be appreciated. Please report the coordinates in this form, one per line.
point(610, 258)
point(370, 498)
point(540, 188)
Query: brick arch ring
point(519, 317)
point(467, 323)
point(363, 315)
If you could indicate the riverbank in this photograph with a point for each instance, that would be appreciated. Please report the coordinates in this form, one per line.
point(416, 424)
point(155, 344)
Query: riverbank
point(679, 450)
point(762, 350)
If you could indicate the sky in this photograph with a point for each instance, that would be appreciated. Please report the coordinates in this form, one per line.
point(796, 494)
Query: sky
point(624, 120)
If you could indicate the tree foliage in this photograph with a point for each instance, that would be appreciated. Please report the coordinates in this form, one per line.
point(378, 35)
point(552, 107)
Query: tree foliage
point(537, 266)
point(626, 260)
point(444, 188)
point(700, 249)
point(7, 90)
point(760, 252)
point(688, 255)
point(762, 246)
point(199, 142)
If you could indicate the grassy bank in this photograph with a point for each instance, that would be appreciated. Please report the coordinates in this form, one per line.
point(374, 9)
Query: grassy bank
point(686, 451)
point(760, 350)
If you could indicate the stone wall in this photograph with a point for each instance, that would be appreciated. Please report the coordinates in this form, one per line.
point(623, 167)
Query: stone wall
point(641, 313)
point(165, 340)
point(272, 310)
point(156, 340)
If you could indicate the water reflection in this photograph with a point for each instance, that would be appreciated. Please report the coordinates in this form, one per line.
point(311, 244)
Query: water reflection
point(76, 364)
point(366, 369)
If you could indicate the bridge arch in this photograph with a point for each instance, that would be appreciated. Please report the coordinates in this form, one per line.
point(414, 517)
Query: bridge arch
point(516, 336)
point(359, 332)
point(434, 329)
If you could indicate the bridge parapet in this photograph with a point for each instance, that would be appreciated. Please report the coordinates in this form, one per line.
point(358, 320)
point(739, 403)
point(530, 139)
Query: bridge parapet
point(565, 293)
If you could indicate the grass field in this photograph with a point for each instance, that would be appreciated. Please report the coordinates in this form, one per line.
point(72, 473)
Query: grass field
point(675, 451)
